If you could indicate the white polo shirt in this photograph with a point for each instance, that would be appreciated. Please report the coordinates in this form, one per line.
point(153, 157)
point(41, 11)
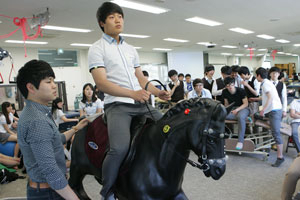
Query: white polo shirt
point(119, 61)
point(295, 105)
point(268, 87)
point(204, 94)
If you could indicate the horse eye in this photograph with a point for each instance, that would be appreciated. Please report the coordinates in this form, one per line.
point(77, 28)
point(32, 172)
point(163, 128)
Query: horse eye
point(211, 141)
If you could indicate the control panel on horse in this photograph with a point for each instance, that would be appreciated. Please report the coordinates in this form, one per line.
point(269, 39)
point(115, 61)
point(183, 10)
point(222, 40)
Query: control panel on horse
point(159, 151)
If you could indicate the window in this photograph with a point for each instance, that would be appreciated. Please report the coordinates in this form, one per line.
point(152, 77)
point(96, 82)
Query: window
point(59, 58)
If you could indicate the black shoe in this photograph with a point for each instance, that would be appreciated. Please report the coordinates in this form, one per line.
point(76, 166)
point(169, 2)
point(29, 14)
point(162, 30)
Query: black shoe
point(278, 162)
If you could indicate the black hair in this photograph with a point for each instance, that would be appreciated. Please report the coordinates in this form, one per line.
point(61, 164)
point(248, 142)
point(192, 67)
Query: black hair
point(14, 108)
point(226, 70)
point(33, 72)
point(280, 76)
point(4, 107)
point(187, 75)
point(262, 72)
point(172, 72)
point(228, 80)
point(181, 74)
point(54, 104)
point(235, 68)
point(196, 81)
point(244, 70)
point(274, 69)
point(84, 99)
point(209, 68)
point(145, 73)
point(107, 8)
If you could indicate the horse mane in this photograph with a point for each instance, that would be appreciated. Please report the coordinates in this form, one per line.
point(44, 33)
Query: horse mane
point(191, 103)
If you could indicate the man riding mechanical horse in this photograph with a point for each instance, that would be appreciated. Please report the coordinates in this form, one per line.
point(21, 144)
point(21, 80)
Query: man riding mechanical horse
point(115, 67)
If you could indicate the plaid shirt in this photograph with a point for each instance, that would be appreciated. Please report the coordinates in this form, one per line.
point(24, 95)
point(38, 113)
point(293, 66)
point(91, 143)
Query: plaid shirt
point(42, 146)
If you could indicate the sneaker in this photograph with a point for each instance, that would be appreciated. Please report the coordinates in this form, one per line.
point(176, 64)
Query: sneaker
point(278, 162)
point(239, 146)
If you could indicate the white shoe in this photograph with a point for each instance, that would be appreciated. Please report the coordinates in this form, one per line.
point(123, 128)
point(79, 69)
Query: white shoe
point(239, 146)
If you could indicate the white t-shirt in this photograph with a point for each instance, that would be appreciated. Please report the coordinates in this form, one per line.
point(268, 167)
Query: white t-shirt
point(295, 105)
point(205, 93)
point(57, 116)
point(119, 60)
point(268, 87)
point(3, 121)
point(91, 109)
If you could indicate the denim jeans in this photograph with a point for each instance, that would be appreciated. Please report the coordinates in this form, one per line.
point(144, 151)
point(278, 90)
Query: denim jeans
point(275, 123)
point(295, 126)
point(42, 194)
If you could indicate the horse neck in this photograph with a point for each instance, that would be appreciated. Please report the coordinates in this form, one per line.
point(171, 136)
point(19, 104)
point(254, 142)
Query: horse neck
point(174, 151)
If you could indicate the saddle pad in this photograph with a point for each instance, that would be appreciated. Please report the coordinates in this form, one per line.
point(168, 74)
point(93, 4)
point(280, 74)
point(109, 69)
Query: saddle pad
point(96, 141)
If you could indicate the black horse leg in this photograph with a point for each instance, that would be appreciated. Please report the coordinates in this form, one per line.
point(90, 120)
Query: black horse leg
point(180, 196)
point(75, 182)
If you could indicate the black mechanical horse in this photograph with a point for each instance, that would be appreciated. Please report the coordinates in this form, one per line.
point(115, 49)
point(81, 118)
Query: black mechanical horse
point(156, 168)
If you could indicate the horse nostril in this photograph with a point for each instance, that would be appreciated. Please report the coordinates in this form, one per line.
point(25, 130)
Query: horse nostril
point(218, 172)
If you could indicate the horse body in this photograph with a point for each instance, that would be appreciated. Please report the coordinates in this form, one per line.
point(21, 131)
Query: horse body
point(156, 171)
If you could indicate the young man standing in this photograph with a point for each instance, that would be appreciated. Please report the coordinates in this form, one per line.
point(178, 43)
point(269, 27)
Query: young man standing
point(198, 90)
point(208, 79)
point(235, 74)
point(240, 110)
point(272, 108)
point(280, 87)
point(176, 87)
point(181, 76)
point(188, 85)
point(219, 85)
point(40, 141)
point(115, 67)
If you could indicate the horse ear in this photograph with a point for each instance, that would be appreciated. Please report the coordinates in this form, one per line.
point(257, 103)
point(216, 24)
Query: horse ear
point(229, 108)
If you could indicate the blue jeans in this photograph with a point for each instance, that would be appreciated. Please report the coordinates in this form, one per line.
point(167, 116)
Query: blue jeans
point(241, 117)
point(275, 123)
point(295, 126)
point(42, 194)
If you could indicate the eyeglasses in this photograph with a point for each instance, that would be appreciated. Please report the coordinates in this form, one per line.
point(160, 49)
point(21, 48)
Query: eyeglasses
point(198, 85)
point(228, 85)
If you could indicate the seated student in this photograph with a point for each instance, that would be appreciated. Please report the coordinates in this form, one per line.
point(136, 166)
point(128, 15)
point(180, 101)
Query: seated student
point(251, 86)
point(6, 126)
point(181, 76)
point(14, 112)
point(40, 141)
point(295, 114)
point(240, 110)
point(152, 97)
point(57, 113)
point(9, 161)
point(290, 180)
point(176, 87)
point(274, 73)
point(198, 90)
point(219, 85)
point(235, 74)
point(208, 79)
point(89, 104)
point(188, 85)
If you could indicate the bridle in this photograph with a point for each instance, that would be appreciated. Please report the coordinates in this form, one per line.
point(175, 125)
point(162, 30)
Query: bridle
point(204, 163)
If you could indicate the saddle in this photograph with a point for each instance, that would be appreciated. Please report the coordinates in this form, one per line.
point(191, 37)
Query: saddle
point(97, 144)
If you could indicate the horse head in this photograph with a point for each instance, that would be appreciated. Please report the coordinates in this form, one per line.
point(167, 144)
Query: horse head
point(204, 122)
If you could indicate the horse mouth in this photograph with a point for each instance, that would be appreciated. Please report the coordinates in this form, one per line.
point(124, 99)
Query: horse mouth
point(216, 168)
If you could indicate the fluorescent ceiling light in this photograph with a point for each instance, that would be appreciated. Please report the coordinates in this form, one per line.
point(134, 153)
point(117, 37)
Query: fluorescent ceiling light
point(226, 54)
point(229, 46)
point(288, 54)
point(297, 45)
point(294, 55)
point(61, 28)
point(161, 49)
point(0, 22)
point(282, 41)
point(137, 47)
point(241, 30)
point(140, 6)
point(250, 55)
point(26, 42)
point(262, 49)
point(280, 52)
point(41, 53)
point(259, 54)
point(264, 36)
point(203, 21)
point(134, 35)
point(238, 54)
point(81, 45)
point(207, 43)
point(63, 59)
point(175, 40)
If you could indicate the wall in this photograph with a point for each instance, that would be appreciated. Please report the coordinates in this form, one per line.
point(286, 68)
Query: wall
point(74, 77)
point(187, 62)
point(285, 60)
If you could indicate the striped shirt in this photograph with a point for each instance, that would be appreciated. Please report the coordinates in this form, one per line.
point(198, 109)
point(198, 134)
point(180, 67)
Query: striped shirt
point(42, 146)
